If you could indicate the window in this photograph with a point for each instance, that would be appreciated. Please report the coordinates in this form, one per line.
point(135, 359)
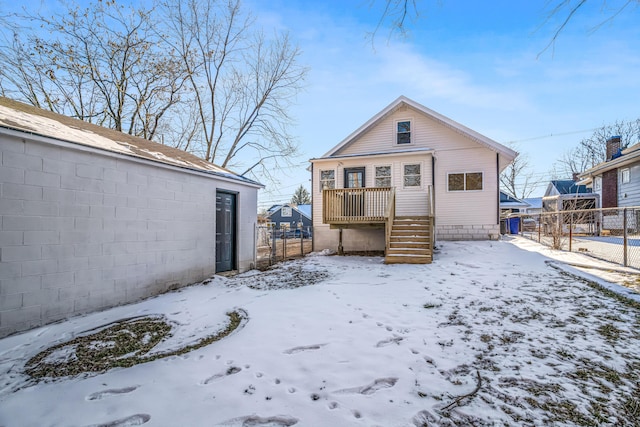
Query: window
point(285, 211)
point(383, 176)
point(597, 183)
point(469, 181)
point(412, 175)
point(403, 132)
point(624, 173)
point(327, 180)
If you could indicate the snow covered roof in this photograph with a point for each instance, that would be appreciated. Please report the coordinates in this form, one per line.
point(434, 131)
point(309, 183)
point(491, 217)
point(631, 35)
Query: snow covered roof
point(25, 118)
point(507, 201)
point(401, 101)
point(533, 202)
point(303, 209)
point(627, 156)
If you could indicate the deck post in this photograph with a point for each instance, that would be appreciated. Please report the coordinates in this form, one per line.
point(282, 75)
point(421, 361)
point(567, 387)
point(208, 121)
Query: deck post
point(340, 249)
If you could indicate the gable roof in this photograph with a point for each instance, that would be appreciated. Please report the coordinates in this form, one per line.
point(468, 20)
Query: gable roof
point(568, 186)
point(304, 210)
point(20, 117)
point(401, 101)
point(627, 156)
point(507, 201)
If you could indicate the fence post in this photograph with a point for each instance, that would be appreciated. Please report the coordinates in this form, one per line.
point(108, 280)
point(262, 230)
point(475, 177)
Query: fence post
point(539, 226)
point(301, 241)
point(272, 258)
point(570, 231)
point(625, 246)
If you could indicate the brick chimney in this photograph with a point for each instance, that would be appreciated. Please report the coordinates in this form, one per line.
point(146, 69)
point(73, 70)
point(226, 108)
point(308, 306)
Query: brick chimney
point(613, 147)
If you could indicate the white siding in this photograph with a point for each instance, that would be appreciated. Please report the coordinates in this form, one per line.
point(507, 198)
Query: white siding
point(409, 201)
point(425, 133)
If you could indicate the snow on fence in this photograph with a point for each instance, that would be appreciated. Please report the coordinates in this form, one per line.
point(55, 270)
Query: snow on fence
point(275, 244)
point(612, 234)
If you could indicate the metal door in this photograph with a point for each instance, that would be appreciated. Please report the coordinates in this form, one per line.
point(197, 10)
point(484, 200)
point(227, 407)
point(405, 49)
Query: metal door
point(225, 231)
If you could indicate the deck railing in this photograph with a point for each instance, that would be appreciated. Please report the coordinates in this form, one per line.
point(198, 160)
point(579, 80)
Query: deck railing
point(391, 216)
point(356, 205)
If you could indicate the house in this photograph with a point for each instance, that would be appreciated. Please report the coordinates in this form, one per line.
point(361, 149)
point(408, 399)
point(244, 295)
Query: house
point(617, 179)
point(567, 194)
point(572, 198)
point(289, 216)
point(91, 218)
point(406, 176)
point(510, 204)
point(535, 205)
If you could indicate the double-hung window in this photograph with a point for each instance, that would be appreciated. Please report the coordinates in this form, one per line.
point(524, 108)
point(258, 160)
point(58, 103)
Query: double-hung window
point(327, 179)
point(412, 175)
point(403, 132)
point(383, 176)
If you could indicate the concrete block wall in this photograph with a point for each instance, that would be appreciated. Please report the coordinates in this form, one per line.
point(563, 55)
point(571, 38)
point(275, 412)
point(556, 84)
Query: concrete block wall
point(82, 231)
point(468, 232)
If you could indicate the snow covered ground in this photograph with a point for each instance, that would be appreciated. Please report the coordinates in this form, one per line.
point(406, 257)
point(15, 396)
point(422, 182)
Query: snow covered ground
point(491, 333)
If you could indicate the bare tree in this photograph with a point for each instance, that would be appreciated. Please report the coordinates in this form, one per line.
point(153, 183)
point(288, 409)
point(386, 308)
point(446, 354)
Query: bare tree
point(396, 14)
point(242, 83)
point(592, 150)
point(566, 10)
point(102, 64)
point(517, 178)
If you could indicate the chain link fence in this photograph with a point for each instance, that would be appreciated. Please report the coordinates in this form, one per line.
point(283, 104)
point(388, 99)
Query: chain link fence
point(611, 234)
point(275, 244)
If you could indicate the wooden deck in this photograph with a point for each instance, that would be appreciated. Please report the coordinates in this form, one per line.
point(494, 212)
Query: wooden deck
point(408, 240)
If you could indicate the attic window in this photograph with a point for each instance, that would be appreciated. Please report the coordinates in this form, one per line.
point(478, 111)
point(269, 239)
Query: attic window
point(403, 132)
point(286, 211)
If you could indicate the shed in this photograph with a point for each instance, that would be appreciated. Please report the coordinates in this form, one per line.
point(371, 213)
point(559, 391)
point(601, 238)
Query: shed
point(92, 218)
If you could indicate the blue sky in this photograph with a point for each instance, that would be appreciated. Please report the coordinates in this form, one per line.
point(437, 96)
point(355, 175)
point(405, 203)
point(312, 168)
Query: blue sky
point(479, 63)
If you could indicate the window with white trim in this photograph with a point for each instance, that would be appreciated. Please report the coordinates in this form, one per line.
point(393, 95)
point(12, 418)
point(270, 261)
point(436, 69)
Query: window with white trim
point(327, 179)
point(412, 175)
point(383, 176)
point(625, 175)
point(467, 181)
point(286, 211)
point(403, 132)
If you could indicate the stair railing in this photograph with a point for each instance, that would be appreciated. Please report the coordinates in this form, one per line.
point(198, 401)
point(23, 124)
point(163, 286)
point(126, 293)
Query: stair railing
point(390, 213)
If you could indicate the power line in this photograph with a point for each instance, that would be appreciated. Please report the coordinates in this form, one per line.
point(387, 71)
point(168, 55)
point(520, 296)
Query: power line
point(551, 135)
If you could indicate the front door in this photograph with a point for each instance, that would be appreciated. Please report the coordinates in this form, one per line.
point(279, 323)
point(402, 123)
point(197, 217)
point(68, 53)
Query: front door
point(225, 231)
point(354, 200)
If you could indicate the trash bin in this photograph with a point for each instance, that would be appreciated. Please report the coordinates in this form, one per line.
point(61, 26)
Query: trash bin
point(514, 225)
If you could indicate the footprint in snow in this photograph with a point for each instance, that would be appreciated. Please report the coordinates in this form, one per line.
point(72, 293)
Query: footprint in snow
point(133, 420)
point(303, 348)
point(389, 341)
point(99, 395)
point(230, 371)
point(257, 421)
point(378, 384)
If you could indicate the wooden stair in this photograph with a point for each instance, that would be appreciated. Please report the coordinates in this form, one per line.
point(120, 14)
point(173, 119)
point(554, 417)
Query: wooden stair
point(410, 241)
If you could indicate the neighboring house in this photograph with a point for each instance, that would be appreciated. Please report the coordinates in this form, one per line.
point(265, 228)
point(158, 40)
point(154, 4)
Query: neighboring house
point(290, 216)
point(407, 169)
point(510, 204)
point(617, 180)
point(535, 205)
point(567, 194)
point(92, 218)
